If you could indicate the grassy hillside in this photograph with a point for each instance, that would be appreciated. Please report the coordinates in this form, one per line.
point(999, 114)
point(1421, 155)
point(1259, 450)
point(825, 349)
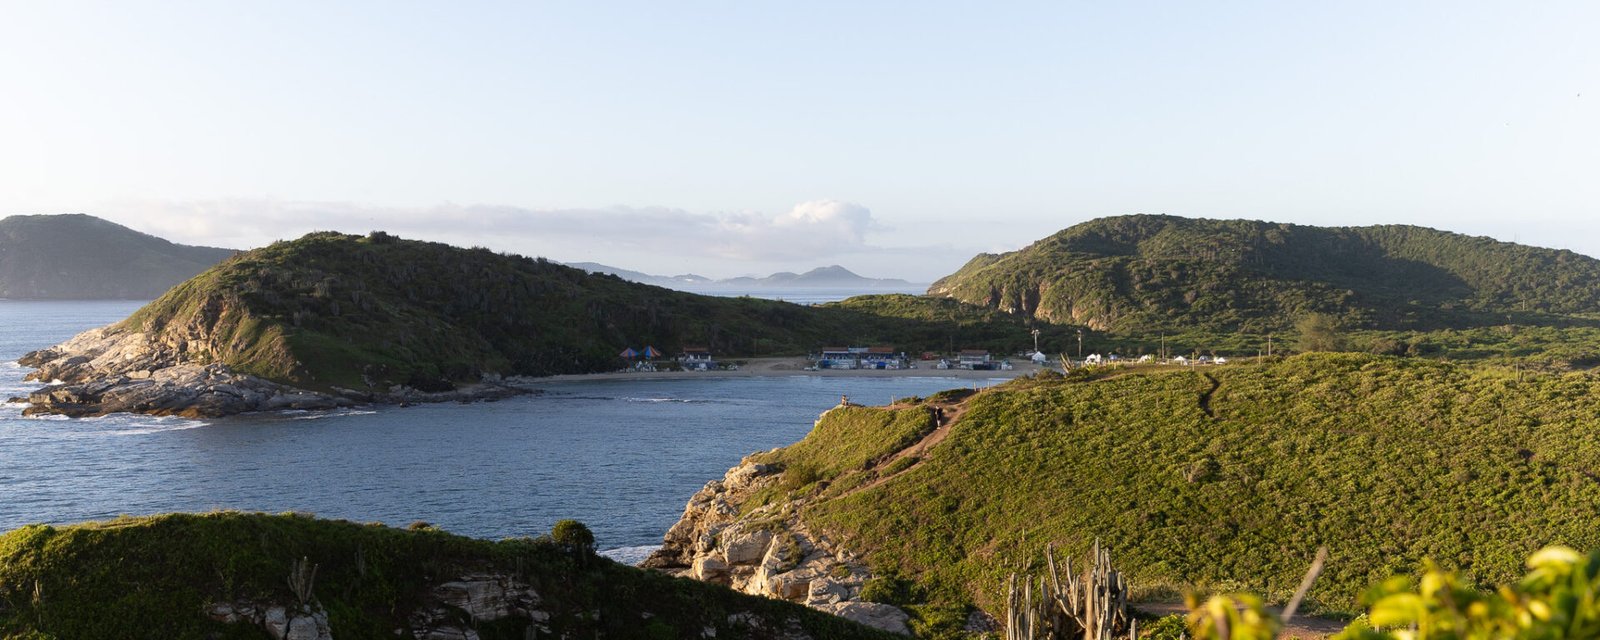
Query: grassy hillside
point(1221, 478)
point(332, 309)
point(154, 578)
point(1140, 274)
point(82, 257)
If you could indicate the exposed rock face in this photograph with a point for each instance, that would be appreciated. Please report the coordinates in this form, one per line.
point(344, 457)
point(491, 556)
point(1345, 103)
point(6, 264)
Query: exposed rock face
point(108, 370)
point(450, 611)
point(768, 552)
point(295, 622)
point(112, 370)
point(454, 608)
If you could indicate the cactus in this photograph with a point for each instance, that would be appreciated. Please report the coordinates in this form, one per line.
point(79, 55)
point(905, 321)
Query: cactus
point(302, 576)
point(1094, 607)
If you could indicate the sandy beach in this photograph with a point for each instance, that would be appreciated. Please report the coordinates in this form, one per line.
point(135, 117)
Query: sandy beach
point(752, 367)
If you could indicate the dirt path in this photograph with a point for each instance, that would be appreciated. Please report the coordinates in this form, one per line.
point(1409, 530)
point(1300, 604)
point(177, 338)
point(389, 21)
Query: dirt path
point(948, 414)
point(1205, 398)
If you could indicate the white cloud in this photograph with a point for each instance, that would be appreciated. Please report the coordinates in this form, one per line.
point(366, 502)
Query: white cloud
point(815, 230)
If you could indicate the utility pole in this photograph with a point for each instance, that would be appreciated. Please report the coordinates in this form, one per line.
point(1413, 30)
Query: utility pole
point(1163, 346)
point(1080, 344)
point(1035, 342)
point(1269, 345)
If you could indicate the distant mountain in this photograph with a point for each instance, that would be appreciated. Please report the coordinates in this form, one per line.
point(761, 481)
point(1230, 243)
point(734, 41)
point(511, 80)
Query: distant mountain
point(829, 277)
point(1144, 273)
point(76, 256)
point(670, 282)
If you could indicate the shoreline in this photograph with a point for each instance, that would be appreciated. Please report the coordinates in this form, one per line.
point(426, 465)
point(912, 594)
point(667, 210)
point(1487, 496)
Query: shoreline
point(778, 367)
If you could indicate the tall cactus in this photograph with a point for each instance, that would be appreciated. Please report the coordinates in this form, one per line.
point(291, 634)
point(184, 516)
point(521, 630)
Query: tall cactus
point(1091, 607)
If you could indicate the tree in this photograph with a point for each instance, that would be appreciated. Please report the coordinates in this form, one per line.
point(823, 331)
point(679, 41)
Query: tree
point(574, 537)
point(1319, 332)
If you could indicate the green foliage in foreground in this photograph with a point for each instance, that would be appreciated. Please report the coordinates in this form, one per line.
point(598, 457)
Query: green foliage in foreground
point(369, 312)
point(1558, 599)
point(152, 577)
point(1226, 478)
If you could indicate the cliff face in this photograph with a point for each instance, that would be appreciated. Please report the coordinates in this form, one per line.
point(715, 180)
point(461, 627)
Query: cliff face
point(767, 552)
point(82, 257)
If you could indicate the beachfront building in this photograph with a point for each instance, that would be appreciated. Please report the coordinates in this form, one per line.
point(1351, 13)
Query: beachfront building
point(836, 358)
point(974, 359)
point(862, 358)
point(697, 359)
point(883, 358)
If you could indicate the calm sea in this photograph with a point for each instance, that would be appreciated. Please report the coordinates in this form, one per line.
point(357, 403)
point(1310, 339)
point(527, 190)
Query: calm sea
point(805, 296)
point(621, 456)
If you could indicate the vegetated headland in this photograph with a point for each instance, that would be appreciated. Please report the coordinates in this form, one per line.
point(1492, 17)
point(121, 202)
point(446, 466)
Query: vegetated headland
point(238, 575)
point(1214, 479)
point(332, 319)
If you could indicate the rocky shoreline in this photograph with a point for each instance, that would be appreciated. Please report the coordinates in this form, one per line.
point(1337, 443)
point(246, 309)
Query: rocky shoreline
point(110, 370)
point(768, 552)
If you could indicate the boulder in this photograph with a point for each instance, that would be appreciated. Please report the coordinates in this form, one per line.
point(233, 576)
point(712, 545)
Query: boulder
point(742, 546)
point(882, 616)
point(710, 568)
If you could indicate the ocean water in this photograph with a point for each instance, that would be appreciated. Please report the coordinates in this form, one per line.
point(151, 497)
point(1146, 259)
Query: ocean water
point(806, 296)
point(622, 456)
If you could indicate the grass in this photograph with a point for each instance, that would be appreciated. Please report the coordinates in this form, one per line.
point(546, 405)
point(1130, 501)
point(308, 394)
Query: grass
point(1388, 461)
point(151, 577)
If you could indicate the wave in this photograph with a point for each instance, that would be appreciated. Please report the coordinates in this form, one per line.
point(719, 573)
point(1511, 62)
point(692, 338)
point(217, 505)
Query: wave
point(331, 414)
point(680, 400)
point(631, 556)
point(142, 429)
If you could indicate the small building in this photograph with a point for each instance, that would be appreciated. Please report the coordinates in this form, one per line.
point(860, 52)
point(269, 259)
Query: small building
point(880, 358)
point(697, 359)
point(1039, 358)
point(836, 358)
point(974, 359)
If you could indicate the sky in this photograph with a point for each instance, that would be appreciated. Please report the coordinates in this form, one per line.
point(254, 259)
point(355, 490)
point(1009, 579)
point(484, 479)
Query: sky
point(722, 138)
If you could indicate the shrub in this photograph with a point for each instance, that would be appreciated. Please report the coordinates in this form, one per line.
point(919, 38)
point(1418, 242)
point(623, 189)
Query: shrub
point(573, 536)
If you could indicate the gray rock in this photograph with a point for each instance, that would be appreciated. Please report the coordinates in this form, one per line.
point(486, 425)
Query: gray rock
point(741, 546)
point(882, 616)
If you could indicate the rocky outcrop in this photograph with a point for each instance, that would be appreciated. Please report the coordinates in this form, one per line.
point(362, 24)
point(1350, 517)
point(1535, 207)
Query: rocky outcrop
point(450, 611)
point(300, 622)
point(454, 609)
point(767, 552)
point(113, 370)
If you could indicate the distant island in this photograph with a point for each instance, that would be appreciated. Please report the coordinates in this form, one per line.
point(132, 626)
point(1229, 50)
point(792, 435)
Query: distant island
point(829, 277)
point(81, 257)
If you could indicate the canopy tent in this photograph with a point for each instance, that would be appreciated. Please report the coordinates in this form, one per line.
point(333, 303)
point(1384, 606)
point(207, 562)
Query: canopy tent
point(651, 352)
point(629, 353)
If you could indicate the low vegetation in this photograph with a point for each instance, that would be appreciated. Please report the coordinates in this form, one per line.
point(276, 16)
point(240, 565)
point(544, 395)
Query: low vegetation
point(1226, 478)
point(154, 577)
point(1144, 273)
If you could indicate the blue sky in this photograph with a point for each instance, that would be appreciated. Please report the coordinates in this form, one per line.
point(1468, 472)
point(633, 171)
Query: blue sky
point(724, 138)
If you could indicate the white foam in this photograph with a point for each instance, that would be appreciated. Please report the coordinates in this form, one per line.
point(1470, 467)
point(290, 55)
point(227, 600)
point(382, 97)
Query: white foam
point(333, 414)
point(630, 555)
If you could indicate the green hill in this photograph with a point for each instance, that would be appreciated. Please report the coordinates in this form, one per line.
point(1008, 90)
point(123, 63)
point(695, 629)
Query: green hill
point(367, 312)
point(181, 576)
point(1143, 273)
point(1224, 478)
point(83, 257)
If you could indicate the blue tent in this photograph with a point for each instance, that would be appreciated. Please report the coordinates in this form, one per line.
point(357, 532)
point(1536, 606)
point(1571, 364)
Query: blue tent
point(651, 352)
